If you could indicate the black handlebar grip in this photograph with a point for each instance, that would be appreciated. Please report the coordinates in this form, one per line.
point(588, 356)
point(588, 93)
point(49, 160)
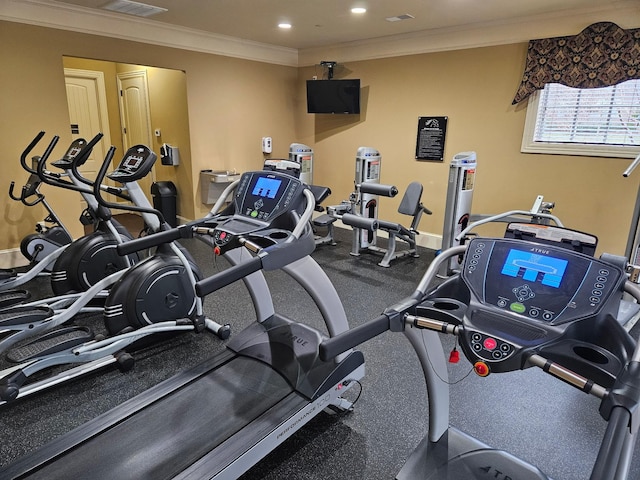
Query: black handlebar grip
point(378, 189)
point(149, 241)
point(228, 276)
point(27, 151)
point(365, 223)
point(351, 338)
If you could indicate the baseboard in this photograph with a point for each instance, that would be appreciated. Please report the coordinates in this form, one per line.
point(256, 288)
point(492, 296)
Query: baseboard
point(12, 258)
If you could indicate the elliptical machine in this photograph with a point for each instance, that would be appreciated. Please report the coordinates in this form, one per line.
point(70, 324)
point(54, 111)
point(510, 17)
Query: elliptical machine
point(83, 273)
point(155, 296)
point(51, 233)
point(93, 257)
point(21, 321)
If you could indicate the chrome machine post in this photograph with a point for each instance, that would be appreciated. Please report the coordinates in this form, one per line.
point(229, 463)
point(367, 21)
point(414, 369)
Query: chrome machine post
point(462, 172)
point(368, 162)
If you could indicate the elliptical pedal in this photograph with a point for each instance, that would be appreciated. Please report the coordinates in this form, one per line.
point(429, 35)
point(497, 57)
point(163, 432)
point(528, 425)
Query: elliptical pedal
point(7, 274)
point(24, 315)
point(53, 342)
point(10, 298)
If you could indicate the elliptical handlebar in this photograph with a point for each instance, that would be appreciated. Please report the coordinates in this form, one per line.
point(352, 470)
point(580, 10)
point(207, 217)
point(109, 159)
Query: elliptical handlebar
point(55, 179)
point(42, 161)
point(23, 195)
point(82, 157)
point(97, 191)
point(27, 151)
point(153, 240)
point(51, 178)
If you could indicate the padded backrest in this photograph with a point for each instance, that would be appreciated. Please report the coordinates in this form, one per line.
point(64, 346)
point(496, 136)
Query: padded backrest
point(410, 203)
point(320, 193)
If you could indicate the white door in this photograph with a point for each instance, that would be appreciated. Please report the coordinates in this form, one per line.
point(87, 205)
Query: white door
point(87, 102)
point(135, 116)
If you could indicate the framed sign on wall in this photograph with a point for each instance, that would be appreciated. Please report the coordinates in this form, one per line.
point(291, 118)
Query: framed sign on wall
point(431, 136)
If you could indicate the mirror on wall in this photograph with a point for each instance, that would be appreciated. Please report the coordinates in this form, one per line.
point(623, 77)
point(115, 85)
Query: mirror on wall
point(131, 104)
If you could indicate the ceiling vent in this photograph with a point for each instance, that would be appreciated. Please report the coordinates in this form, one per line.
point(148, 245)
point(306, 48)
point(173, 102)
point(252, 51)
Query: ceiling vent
point(133, 8)
point(404, 16)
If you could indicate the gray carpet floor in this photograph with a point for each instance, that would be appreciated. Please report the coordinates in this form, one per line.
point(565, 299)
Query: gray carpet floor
point(527, 413)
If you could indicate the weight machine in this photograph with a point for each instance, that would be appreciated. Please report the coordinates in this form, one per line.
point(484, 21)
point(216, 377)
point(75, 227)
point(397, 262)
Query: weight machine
point(361, 211)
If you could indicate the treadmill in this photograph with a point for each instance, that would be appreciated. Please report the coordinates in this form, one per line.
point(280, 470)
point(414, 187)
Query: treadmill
point(530, 300)
point(220, 418)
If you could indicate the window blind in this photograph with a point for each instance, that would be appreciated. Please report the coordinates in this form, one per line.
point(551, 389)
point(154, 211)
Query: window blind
point(598, 116)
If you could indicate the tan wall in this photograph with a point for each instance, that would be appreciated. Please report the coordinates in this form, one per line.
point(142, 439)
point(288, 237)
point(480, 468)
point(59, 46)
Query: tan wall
point(474, 89)
point(232, 104)
point(169, 113)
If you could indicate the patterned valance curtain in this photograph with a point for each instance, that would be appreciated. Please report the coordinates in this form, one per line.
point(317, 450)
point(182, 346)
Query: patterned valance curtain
point(603, 54)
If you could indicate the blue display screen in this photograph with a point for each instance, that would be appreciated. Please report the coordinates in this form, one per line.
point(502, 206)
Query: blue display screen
point(266, 187)
point(534, 267)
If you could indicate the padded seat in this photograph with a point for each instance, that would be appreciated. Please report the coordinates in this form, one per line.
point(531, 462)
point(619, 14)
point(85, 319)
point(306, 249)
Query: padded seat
point(325, 220)
point(412, 206)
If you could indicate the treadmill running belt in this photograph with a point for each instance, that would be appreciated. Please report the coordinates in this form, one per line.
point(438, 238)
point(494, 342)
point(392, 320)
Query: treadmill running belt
point(169, 435)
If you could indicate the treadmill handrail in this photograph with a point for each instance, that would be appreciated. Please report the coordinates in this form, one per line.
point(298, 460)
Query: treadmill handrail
point(228, 276)
point(493, 218)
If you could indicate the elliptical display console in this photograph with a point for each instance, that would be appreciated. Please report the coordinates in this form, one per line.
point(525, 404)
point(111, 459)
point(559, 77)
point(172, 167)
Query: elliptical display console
point(136, 164)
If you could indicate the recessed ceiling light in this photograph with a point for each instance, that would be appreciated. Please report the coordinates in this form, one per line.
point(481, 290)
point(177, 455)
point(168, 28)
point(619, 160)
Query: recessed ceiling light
point(284, 25)
point(358, 10)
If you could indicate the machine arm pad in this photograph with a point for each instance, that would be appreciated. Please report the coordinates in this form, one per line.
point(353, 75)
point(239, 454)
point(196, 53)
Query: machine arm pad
point(378, 189)
point(228, 276)
point(341, 343)
point(365, 223)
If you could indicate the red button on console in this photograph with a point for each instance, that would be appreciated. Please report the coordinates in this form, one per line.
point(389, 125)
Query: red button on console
point(490, 343)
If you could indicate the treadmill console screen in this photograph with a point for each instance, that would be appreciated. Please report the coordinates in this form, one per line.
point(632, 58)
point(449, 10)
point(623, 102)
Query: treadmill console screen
point(535, 267)
point(266, 187)
point(538, 281)
point(265, 195)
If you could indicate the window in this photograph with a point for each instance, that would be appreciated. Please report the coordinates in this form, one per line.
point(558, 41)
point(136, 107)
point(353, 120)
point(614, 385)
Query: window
point(584, 121)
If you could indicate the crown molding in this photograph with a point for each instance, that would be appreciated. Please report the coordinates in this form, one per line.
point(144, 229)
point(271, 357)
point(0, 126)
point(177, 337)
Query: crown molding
point(625, 13)
point(52, 14)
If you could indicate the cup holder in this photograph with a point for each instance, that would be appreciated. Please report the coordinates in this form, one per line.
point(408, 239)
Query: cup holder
point(278, 235)
point(446, 305)
point(590, 354)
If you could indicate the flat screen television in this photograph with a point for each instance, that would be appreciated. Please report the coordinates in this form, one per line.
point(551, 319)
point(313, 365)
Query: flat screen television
point(333, 96)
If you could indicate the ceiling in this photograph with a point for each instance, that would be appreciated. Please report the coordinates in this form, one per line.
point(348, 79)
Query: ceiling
point(317, 23)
